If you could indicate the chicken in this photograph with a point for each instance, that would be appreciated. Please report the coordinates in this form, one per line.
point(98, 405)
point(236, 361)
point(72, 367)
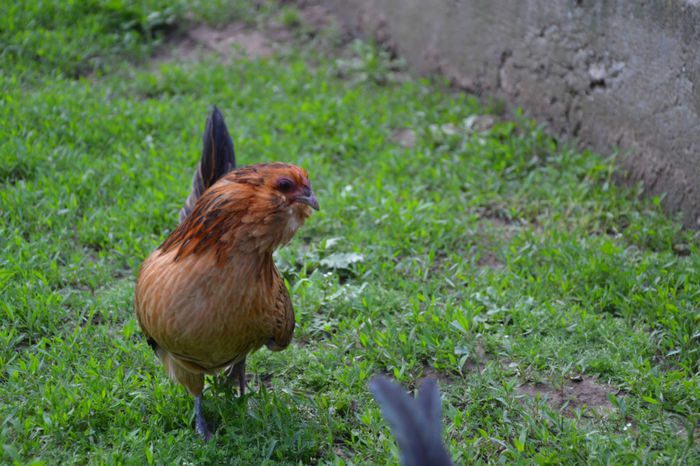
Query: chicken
point(211, 294)
point(415, 423)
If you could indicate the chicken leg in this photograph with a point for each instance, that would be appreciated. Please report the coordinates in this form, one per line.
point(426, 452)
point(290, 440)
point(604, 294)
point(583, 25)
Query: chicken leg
point(200, 424)
point(237, 370)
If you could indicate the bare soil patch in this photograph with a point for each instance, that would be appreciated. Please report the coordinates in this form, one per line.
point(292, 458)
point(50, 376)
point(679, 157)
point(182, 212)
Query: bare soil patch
point(238, 40)
point(487, 259)
point(405, 137)
point(572, 396)
point(232, 40)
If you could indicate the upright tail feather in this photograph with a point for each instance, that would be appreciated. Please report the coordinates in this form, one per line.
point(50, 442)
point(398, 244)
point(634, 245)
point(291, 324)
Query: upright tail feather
point(415, 423)
point(218, 158)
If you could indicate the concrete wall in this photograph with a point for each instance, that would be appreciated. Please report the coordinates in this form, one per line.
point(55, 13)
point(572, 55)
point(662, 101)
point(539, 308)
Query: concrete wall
point(613, 73)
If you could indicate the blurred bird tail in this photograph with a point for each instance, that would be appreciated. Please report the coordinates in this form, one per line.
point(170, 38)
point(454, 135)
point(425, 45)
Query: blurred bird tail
point(218, 158)
point(414, 423)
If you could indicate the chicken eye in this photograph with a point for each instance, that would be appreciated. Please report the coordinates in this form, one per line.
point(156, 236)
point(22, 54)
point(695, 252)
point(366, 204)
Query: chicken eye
point(284, 185)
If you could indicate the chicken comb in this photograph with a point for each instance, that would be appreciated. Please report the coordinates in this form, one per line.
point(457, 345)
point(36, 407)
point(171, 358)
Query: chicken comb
point(218, 158)
point(415, 423)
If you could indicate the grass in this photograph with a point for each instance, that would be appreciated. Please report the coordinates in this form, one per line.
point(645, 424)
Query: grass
point(485, 254)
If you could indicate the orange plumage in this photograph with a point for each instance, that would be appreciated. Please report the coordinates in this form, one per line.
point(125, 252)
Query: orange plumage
point(211, 294)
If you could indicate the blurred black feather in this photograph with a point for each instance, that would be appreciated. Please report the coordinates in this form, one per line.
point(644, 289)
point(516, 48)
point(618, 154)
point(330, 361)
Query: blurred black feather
point(414, 423)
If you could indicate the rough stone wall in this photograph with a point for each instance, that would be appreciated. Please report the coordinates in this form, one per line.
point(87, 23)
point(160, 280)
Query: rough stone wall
point(613, 74)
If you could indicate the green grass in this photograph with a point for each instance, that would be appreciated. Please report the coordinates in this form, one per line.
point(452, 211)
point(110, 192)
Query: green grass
point(489, 257)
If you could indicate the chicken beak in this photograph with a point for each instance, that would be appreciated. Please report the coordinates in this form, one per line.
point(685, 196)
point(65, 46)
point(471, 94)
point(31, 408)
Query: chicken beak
point(309, 199)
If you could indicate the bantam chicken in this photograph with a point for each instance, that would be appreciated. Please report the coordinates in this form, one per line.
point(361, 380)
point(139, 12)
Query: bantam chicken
point(211, 294)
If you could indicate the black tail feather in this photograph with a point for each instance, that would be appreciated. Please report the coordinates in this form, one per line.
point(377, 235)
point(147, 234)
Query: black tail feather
point(218, 158)
point(152, 343)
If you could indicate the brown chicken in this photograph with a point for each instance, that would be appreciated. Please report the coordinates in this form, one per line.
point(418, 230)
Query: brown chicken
point(211, 294)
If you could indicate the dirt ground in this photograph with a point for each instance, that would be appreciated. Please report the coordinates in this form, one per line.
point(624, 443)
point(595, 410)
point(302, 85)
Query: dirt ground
point(572, 396)
point(239, 39)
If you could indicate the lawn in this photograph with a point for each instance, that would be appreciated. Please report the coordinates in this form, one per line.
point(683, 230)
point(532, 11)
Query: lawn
point(559, 311)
